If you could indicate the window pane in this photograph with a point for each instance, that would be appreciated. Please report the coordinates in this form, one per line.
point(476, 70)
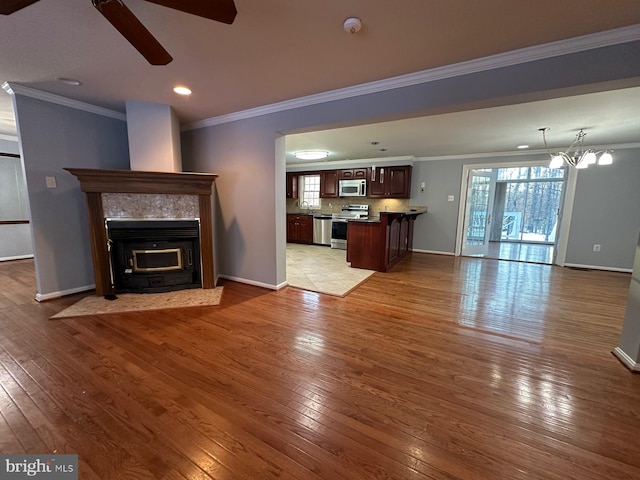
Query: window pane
point(310, 193)
point(531, 211)
point(517, 173)
point(546, 172)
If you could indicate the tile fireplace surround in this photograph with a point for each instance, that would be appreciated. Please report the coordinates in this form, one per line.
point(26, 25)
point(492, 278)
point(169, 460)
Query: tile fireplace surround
point(137, 194)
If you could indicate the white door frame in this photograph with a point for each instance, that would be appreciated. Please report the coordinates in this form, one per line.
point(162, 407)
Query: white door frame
point(564, 220)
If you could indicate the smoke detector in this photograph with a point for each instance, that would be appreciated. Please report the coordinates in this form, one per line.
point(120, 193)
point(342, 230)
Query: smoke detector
point(352, 25)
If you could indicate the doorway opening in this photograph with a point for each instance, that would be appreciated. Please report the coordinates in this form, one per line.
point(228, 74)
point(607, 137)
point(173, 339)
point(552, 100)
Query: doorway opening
point(512, 212)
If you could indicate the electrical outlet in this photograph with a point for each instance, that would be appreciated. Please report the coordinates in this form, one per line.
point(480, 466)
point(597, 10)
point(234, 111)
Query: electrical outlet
point(51, 182)
point(450, 198)
point(596, 247)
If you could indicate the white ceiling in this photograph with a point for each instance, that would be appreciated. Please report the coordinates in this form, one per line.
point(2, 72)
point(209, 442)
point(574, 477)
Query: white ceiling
point(282, 49)
point(609, 118)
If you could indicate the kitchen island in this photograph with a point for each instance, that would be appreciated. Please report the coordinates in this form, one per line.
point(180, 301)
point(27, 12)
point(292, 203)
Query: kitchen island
point(378, 244)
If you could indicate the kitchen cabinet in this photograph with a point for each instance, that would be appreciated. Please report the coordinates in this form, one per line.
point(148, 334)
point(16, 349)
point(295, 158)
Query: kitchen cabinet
point(329, 184)
point(380, 245)
point(299, 228)
point(353, 174)
point(292, 185)
point(390, 182)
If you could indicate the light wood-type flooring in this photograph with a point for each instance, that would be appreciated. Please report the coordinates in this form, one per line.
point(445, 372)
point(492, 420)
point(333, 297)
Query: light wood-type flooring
point(444, 368)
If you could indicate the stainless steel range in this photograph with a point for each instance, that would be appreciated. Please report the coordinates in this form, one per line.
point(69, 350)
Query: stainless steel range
point(339, 223)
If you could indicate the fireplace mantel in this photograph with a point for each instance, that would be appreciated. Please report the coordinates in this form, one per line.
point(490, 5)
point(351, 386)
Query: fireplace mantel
point(95, 182)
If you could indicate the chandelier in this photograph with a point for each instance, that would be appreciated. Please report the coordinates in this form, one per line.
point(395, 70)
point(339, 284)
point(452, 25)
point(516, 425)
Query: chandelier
point(576, 155)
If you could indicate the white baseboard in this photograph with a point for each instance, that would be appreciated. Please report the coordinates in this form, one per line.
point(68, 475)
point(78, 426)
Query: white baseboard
point(16, 257)
point(434, 252)
point(252, 282)
point(626, 360)
point(41, 297)
point(598, 267)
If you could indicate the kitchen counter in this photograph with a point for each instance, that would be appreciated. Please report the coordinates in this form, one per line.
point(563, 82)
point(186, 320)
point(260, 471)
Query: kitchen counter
point(378, 244)
point(377, 219)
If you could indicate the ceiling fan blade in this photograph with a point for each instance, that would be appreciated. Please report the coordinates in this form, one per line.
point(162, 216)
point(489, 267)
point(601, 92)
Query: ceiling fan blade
point(219, 10)
point(130, 27)
point(7, 7)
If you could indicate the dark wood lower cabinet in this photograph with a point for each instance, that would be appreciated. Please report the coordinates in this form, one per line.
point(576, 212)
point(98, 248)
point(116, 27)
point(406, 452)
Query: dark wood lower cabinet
point(299, 228)
point(380, 245)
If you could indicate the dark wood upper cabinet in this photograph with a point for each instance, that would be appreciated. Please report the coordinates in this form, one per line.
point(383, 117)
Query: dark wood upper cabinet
point(292, 185)
point(390, 182)
point(354, 174)
point(329, 184)
point(382, 182)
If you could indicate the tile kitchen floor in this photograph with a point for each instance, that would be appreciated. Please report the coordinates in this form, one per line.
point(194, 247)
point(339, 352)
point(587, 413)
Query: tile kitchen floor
point(322, 269)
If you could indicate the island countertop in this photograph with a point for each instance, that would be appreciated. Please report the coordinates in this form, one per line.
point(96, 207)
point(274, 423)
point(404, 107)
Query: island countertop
point(378, 218)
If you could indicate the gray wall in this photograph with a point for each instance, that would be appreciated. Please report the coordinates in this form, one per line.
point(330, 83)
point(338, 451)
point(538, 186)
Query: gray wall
point(245, 195)
point(53, 137)
point(606, 208)
point(243, 152)
point(607, 212)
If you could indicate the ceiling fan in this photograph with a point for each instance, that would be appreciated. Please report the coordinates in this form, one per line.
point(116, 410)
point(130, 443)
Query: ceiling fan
point(132, 29)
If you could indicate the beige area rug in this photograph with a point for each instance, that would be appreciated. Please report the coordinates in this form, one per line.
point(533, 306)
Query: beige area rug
point(132, 302)
point(322, 269)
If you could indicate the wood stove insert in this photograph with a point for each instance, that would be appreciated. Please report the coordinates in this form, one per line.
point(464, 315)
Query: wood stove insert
point(152, 256)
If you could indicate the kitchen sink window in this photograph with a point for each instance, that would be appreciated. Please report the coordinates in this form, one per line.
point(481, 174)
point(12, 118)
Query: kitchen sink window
point(310, 191)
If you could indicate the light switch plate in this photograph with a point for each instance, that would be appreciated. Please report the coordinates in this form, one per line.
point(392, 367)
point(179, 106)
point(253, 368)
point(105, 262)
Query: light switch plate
point(51, 182)
point(450, 198)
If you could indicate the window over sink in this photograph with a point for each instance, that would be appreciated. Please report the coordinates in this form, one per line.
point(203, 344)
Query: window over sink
point(309, 191)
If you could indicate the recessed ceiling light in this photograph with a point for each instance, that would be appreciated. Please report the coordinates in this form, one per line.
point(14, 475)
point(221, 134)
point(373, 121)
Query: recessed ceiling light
point(69, 81)
point(311, 155)
point(522, 147)
point(182, 90)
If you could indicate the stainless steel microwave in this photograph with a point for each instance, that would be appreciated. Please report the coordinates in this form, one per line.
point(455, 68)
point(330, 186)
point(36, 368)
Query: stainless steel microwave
point(352, 188)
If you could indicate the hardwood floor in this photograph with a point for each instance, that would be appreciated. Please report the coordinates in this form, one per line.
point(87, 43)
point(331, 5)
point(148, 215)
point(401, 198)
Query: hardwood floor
point(521, 252)
point(444, 368)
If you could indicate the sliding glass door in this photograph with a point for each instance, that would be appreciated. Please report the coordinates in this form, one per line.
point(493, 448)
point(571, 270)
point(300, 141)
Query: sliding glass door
point(513, 213)
point(479, 210)
point(530, 199)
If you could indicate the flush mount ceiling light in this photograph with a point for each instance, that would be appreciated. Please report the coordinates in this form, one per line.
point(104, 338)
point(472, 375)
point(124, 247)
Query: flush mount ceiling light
point(576, 155)
point(69, 81)
point(311, 155)
point(182, 90)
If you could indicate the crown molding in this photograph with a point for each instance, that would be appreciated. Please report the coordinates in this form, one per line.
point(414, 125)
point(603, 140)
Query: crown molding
point(519, 153)
point(515, 57)
point(16, 88)
point(347, 163)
